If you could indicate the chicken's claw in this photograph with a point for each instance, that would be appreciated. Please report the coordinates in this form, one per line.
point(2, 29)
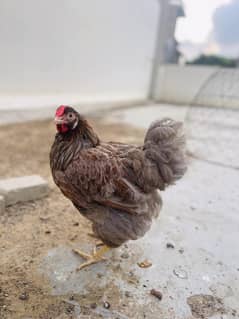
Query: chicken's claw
point(96, 256)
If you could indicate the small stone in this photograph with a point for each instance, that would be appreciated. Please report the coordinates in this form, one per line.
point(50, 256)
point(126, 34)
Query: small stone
point(23, 296)
point(47, 232)
point(70, 309)
point(44, 218)
point(234, 313)
point(72, 297)
point(170, 246)
point(72, 238)
point(180, 273)
point(128, 294)
point(93, 305)
point(181, 251)
point(133, 281)
point(106, 305)
point(156, 294)
point(125, 255)
point(6, 295)
point(76, 224)
point(99, 275)
point(145, 264)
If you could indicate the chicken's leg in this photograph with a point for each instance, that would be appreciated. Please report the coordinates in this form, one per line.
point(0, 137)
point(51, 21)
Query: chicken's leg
point(96, 257)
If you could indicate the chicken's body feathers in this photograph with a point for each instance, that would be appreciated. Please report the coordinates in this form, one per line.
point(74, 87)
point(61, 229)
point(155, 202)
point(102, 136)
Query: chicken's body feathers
point(116, 185)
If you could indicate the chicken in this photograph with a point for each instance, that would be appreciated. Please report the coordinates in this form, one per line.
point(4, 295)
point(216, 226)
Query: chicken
point(115, 186)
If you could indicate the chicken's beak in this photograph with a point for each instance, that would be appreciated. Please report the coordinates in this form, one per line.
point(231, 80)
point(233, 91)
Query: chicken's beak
point(59, 120)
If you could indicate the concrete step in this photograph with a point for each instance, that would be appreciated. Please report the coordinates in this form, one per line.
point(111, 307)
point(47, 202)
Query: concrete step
point(22, 189)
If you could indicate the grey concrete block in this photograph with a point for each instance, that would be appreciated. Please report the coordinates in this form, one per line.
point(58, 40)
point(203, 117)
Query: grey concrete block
point(2, 204)
point(22, 189)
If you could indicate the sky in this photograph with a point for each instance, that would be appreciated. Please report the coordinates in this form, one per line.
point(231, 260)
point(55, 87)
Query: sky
point(210, 26)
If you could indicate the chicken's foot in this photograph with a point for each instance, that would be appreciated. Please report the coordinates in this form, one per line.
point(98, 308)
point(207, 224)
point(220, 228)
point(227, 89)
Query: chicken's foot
point(96, 257)
point(98, 242)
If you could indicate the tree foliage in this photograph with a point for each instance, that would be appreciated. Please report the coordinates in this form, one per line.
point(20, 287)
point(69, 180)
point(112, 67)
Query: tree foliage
point(215, 60)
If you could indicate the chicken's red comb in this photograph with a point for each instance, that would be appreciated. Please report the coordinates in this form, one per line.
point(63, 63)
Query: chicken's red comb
point(60, 110)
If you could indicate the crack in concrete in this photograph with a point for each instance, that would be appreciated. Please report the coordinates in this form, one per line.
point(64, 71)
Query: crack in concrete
point(214, 163)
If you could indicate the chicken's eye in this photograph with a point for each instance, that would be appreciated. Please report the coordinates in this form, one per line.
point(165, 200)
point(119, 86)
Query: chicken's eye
point(70, 116)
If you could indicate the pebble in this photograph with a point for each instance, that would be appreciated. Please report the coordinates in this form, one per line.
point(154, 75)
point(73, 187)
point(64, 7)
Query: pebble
point(72, 238)
point(145, 264)
point(44, 219)
point(125, 255)
point(106, 305)
point(23, 296)
point(180, 273)
point(76, 224)
point(128, 294)
point(170, 246)
point(234, 313)
point(156, 294)
point(70, 309)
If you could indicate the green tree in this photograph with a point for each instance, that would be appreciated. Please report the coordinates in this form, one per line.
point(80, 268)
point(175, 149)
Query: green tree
point(214, 60)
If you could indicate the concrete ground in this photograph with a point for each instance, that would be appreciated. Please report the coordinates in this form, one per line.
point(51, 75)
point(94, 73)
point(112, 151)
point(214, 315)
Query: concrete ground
point(192, 246)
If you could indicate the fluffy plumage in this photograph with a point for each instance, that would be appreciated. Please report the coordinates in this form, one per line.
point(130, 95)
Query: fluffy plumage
point(116, 185)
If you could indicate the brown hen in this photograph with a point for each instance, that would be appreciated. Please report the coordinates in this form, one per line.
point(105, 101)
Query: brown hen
point(116, 186)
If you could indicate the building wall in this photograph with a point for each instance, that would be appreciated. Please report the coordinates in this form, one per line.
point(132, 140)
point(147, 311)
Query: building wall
point(197, 85)
point(85, 50)
point(170, 12)
point(166, 45)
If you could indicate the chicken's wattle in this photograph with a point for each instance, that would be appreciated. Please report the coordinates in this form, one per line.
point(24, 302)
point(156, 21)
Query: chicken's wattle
point(62, 128)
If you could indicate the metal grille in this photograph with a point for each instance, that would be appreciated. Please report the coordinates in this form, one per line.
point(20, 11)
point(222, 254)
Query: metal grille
point(222, 88)
point(214, 131)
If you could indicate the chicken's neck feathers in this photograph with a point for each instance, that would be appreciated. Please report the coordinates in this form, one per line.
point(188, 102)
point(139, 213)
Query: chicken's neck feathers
point(67, 146)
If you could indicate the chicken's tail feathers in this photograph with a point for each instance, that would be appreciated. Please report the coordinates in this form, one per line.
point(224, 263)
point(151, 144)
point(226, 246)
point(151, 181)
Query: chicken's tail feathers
point(165, 146)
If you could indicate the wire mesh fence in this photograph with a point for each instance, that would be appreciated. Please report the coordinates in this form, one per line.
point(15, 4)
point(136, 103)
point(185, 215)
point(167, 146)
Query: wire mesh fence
point(215, 130)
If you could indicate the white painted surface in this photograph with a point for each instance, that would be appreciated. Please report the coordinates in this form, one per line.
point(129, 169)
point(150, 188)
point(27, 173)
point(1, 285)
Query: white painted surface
point(85, 51)
point(210, 86)
point(180, 84)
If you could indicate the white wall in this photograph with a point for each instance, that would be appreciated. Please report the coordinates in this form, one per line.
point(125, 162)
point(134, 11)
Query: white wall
point(83, 50)
point(210, 86)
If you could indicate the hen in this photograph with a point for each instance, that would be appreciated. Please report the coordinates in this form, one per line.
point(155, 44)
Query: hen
point(115, 185)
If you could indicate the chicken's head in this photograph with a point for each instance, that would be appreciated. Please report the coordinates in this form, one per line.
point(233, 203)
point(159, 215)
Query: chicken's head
point(66, 119)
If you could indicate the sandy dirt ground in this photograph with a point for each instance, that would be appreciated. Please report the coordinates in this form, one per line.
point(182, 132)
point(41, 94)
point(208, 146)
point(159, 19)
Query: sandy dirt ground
point(29, 230)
